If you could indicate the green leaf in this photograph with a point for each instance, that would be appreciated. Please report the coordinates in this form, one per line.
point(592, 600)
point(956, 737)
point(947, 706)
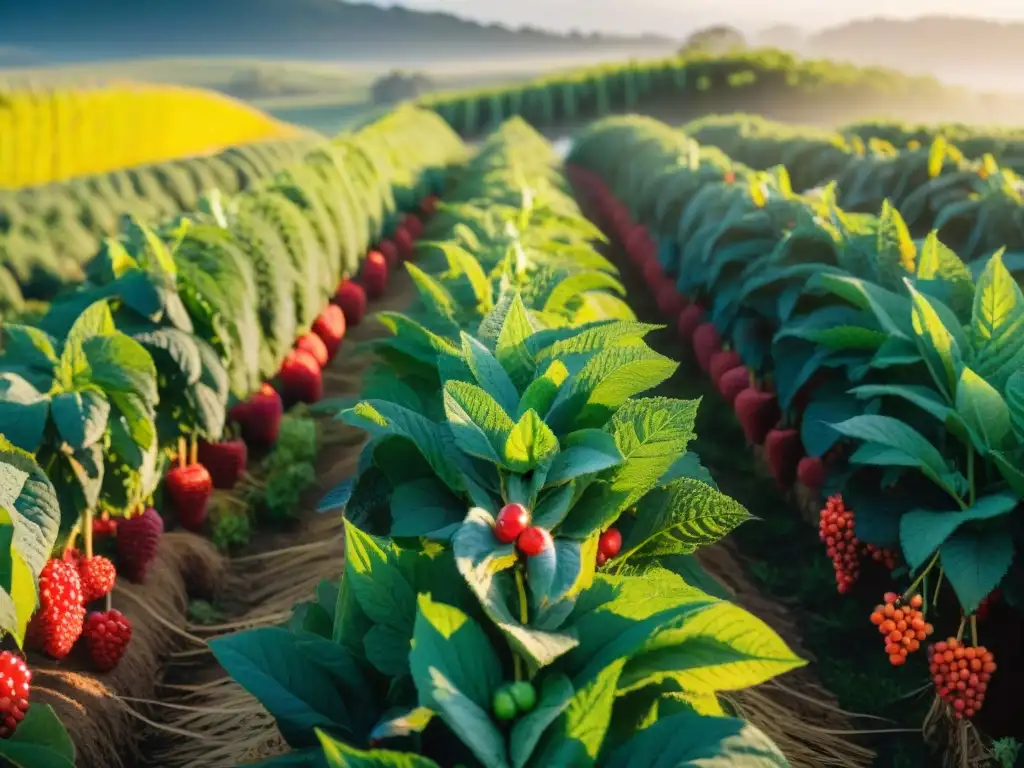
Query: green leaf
point(292, 688)
point(530, 444)
point(587, 451)
point(120, 364)
point(341, 755)
point(936, 343)
point(577, 735)
point(543, 390)
point(511, 348)
point(479, 425)
point(651, 433)
point(720, 647)
point(558, 572)
point(483, 561)
point(922, 532)
point(679, 518)
point(382, 418)
point(41, 741)
point(975, 563)
point(984, 411)
point(906, 443)
point(689, 740)
point(80, 417)
point(24, 412)
point(890, 309)
point(402, 722)
point(425, 508)
point(433, 294)
point(456, 673)
point(556, 692)
point(489, 373)
point(576, 284)
point(997, 324)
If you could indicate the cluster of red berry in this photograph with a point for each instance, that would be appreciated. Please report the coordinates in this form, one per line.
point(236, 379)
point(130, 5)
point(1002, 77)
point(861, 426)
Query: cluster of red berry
point(837, 528)
point(15, 686)
point(903, 625)
point(961, 674)
point(513, 526)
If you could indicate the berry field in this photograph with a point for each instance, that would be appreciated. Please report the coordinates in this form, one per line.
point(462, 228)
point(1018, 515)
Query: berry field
point(429, 445)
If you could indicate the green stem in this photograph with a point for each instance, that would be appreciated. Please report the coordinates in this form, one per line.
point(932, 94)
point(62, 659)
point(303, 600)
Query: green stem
point(938, 583)
point(523, 618)
point(920, 576)
point(87, 531)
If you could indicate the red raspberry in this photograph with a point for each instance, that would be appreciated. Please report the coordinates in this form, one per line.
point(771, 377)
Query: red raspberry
point(138, 539)
point(107, 635)
point(98, 576)
point(57, 623)
point(189, 489)
point(301, 378)
point(610, 543)
point(961, 674)
point(374, 275)
point(225, 461)
point(260, 416)
point(103, 525)
point(533, 541)
point(404, 243)
point(314, 345)
point(330, 327)
point(15, 680)
point(351, 297)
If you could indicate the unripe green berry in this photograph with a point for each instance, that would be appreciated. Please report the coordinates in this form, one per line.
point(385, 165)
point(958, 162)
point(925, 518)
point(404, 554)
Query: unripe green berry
point(525, 695)
point(504, 705)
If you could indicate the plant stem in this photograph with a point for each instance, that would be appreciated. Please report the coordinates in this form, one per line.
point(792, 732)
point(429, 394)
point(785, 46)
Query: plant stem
point(87, 531)
point(920, 576)
point(193, 456)
point(938, 583)
point(182, 453)
point(974, 629)
point(523, 618)
point(72, 537)
point(960, 631)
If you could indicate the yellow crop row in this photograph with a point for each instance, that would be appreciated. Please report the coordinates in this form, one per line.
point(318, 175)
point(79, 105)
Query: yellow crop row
point(54, 135)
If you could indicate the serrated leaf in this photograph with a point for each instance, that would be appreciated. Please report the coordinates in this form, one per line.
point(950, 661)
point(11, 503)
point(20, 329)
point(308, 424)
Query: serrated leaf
point(530, 444)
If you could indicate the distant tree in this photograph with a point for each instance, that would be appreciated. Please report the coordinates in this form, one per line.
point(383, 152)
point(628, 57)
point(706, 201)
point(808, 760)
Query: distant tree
point(717, 39)
point(398, 86)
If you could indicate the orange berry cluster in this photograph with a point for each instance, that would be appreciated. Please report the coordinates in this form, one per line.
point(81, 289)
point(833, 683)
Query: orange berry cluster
point(836, 529)
point(881, 555)
point(961, 674)
point(902, 624)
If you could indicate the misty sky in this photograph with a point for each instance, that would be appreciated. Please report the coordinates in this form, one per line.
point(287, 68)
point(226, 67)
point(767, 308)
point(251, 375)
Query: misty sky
point(679, 17)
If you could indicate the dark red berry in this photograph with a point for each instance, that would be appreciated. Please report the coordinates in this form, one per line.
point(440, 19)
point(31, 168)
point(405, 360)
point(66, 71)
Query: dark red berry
point(512, 520)
point(610, 543)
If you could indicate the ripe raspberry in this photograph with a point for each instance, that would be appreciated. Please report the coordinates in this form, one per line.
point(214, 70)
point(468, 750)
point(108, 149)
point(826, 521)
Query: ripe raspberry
point(428, 204)
point(961, 674)
point(374, 275)
point(404, 243)
point(260, 416)
point(97, 575)
point(315, 346)
point(670, 301)
point(903, 624)
point(104, 525)
point(15, 680)
point(389, 250)
point(512, 520)
point(706, 342)
point(689, 319)
point(107, 635)
point(189, 489)
point(57, 623)
point(533, 541)
point(783, 451)
point(351, 297)
point(610, 543)
point(330, 327)
point(836, 529)
point(811, 473)
point(138, 539)
point(225, 461)
point(723, 362)
point(731, 383)
point(413, 225)
point(301, 378)
point(758, 413)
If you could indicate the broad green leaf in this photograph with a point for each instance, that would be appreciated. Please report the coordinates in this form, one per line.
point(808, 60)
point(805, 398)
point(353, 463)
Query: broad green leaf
point(984, 411)
point(483, 563)
point(120, 364)
point(679, 518)
point(41, 741)
point(890, 309)
point(558, 572)
point(578, 283)
point(587, 451)
point(651, 433)
point(511, 348)
point(542, 391)
point(24, 412)
point(975, 563)
point(923, 532)
point(80, 417)
point(489, 373)
point(721, 647)
point(897, 436)
point(997, 324)
point(341, 755)
point(425, 507)
point(478, 423)
point(530, 444)
point(432, 293)
point(456, 673)
point(292, 688)
point(936, 343)
point(689, 740)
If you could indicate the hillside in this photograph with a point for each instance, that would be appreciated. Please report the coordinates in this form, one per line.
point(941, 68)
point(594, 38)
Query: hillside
point(937, 44)
point(62, 31)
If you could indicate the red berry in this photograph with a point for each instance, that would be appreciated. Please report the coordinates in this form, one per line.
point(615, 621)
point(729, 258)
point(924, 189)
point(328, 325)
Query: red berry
point(670, 301)
point(782, 451)
point(260, 416)
point(758, 413)
point(15, 688)
point(610, 543)
point(374, 275)
point(602, 558)
point(689, 319)
point(389, 250)
point(226, 461)
point(301, 378)
point(351, 297)
point(330, 327)
point(189, 489)
point(404, 243)
point(836, 530)
point(722, 362)
point(57, 623)
point(706, 342)
point(103, 526)
point(811, 473)
point(533, 541)
point(98, 575)
point(138, 539)
point(107, 636)
point(314, 345)
point(731, 383)
point(512, 520)
point(654, 275)
point(429, 204)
